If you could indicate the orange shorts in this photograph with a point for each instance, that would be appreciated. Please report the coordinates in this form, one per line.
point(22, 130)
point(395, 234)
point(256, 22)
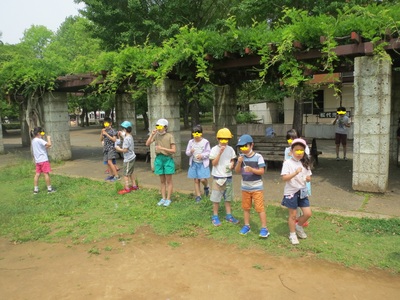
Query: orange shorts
point(248, 197)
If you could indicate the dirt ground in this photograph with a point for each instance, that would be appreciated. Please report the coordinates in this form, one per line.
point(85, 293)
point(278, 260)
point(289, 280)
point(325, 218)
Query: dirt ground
point(147, 266)
point(154, 267)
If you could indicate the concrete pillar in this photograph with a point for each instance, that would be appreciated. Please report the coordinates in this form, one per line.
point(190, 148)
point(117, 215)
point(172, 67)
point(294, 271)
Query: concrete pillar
point(55, 123)
point(25, 134)
point(372, 96)
point(225, 110)
point(395, 120)
point(163, 102)
point(125, 110)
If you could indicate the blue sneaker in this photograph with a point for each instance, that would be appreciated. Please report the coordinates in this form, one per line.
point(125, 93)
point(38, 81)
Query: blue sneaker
point(109, 178)
point(206, 191)
point(264, 233)
point(245, 230)
point(231, 219)
point(114, 179)
point(215, 220)
point(161, 202)
point(167, 203)
point(198, 199)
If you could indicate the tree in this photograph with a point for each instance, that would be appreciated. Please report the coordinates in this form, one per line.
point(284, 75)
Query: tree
point(133, 22)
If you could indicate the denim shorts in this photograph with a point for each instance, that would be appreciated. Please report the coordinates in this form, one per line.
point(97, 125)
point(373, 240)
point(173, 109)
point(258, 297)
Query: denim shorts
point(198, 171)
point(293, 201)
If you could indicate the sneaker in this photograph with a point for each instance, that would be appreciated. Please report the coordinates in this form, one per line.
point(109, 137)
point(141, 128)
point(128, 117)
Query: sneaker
point(264, 233)
point(198, 199)
point(345, 158)
point(35, 192)
point(167, 203)
point(134, 188)
point(337, 158)
point(51, 191)
point(300, 232)
point(115, 178)
point(206, 191)
point(231, 219)
point(124, 191)
point(109, 178)
point(245, 230)
point(293, 239)
point(215, 220)
point(161, 202)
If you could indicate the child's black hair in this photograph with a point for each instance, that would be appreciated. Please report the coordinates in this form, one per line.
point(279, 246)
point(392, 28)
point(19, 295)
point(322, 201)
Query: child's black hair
point(341, 108)
point(128, 129)
point(197, 128)
point(107, 119)
point(291, 134)
point(305, 161)
point(36, 131)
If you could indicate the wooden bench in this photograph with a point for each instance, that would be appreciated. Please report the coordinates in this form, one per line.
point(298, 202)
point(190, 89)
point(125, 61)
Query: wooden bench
point(273, 149)
point(140, 147)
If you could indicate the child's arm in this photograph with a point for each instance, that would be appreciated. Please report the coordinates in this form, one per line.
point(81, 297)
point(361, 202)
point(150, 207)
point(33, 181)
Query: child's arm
point(259, 171)
point(189, 149)
point(48, 144)
point(290, 176)
point(238, 165)
point(171, 150)
point(151, 137)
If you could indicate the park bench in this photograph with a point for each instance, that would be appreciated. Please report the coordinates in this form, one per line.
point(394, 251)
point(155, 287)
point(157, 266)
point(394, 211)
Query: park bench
point(140, 147)
point(272, 149)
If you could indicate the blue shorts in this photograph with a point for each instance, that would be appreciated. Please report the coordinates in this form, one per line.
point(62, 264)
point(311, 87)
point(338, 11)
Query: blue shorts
point(164, 165)
point(114, 161)
point(198, 171)
point(294, 201)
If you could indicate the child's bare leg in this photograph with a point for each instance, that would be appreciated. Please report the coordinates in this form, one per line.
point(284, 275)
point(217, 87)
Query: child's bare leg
point(163, 187)
point(47, 179)
point(292, 220)
point(228, 207)
point(169, 185)
point(36, 179)
point(263, 219)
point(112, 168)
point(215, 208)
point(306, 215)
point(246, 216)
point(197, 187)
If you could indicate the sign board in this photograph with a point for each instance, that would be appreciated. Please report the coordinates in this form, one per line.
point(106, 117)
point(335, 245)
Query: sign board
point(329, 114)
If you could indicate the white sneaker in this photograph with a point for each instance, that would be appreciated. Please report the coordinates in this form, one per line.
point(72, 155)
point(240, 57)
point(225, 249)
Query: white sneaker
point(300, 232)
point(293, 239)
point(161, 202)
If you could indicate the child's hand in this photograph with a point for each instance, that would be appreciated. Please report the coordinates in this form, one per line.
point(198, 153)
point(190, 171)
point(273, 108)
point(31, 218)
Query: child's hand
point(222, 149)
point(240, 159)
point(154, 132)
point(247, 169)
point(198, 156)
point(299, 169)
point(308, 178)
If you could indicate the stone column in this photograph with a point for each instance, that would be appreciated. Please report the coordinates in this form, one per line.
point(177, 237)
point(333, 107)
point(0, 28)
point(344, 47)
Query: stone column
point(125, 110)
point(395, 122)
point(163, 102)
point(55, 123)
point(372, 95)
point(1, 138)
point(225, 110)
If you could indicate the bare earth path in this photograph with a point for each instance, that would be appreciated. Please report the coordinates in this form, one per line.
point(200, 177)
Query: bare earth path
point(147, 266)
point(153, 267)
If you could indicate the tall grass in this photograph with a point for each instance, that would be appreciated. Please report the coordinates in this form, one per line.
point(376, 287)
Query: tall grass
point(83, 211)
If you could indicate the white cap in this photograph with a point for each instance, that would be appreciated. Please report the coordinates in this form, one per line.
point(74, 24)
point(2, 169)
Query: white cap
point(162, 122)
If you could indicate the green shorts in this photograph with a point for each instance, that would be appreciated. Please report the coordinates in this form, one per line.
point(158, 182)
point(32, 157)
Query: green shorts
point(164, 165)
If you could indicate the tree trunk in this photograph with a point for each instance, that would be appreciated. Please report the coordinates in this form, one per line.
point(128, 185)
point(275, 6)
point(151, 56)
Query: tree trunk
point(194, 110)
point(298, 112)
point(146, 121)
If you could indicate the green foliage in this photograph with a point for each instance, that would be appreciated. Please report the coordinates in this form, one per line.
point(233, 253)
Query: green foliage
point(245, 117)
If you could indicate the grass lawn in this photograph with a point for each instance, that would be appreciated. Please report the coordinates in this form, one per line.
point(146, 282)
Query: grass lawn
point(83, 211)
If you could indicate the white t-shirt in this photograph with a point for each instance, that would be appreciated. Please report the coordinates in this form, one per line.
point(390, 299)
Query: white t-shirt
point(39, 150)
point(298, 182)
point(222, 169)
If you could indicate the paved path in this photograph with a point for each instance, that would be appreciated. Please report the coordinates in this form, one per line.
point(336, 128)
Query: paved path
point(331, 183)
